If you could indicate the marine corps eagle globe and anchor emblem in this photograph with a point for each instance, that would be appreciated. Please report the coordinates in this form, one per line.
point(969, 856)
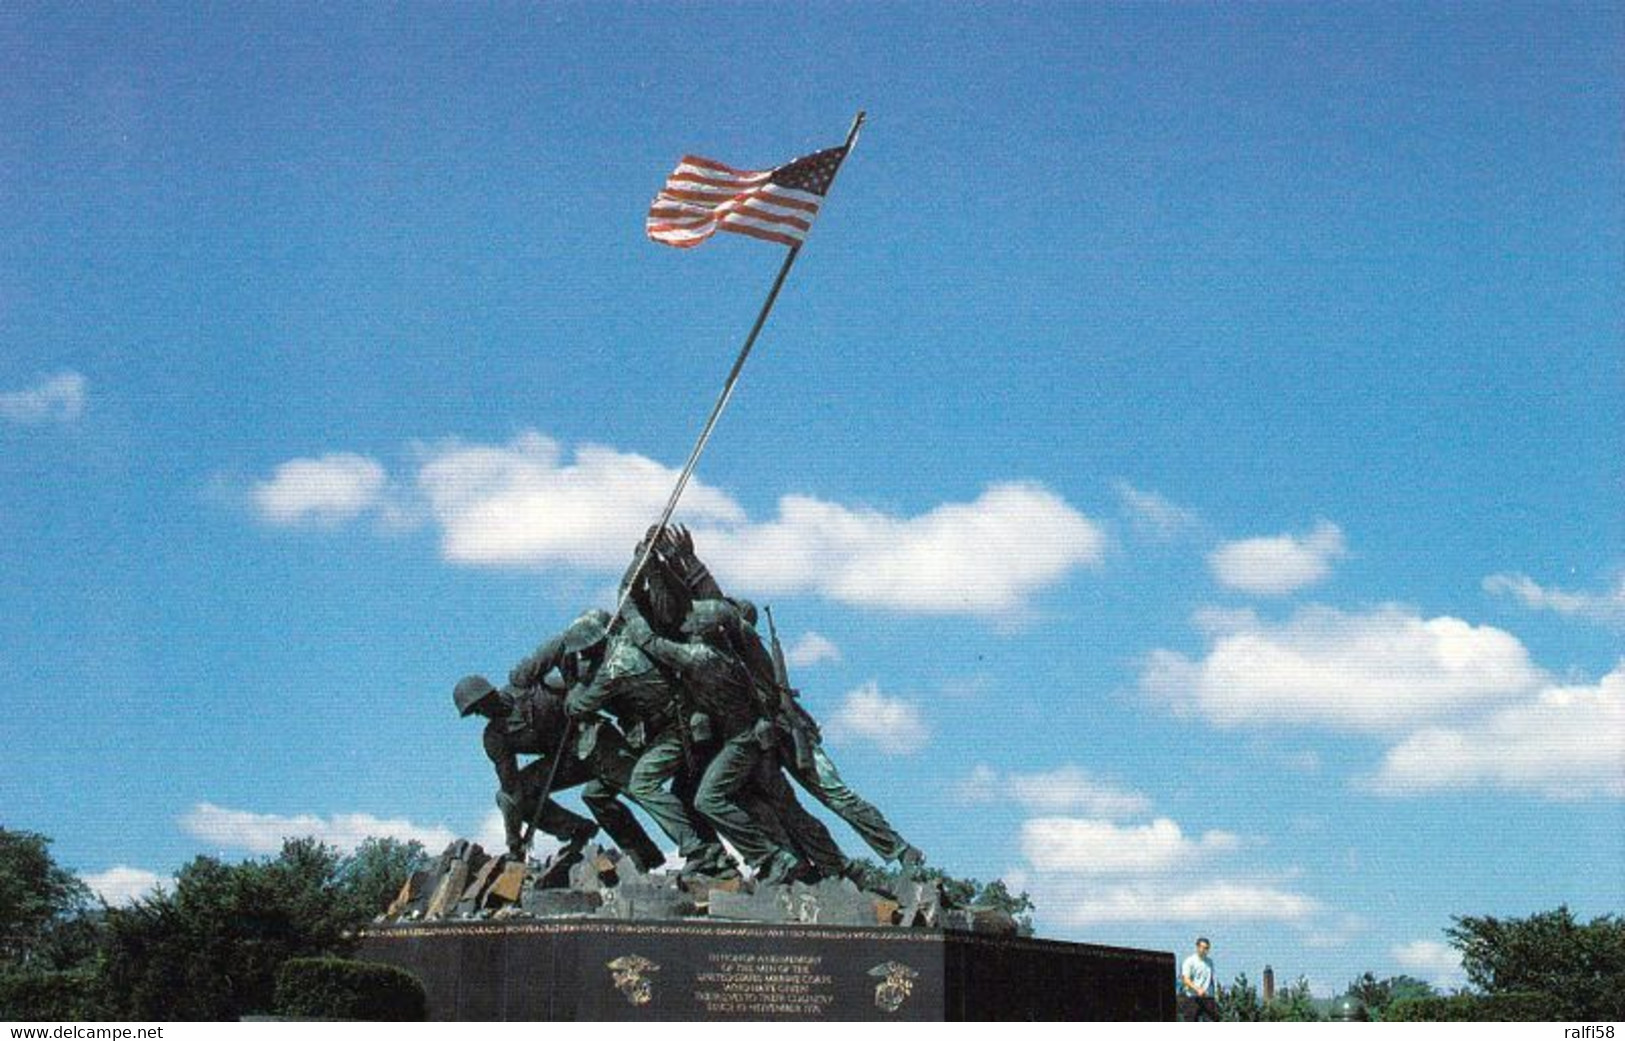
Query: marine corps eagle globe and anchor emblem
point(896, 984)
point(631, 975)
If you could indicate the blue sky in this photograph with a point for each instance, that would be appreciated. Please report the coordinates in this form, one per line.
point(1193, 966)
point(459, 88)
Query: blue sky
point(1185, 459)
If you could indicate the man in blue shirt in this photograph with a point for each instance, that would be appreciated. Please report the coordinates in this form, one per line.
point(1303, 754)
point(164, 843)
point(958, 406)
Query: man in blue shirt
point(1196, 985)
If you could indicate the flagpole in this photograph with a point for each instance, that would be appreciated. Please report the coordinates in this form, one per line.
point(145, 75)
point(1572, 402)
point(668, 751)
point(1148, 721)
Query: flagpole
point(688, 471)
point(729, 384)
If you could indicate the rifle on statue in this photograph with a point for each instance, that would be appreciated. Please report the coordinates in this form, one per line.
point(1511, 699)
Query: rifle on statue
point(803, 731)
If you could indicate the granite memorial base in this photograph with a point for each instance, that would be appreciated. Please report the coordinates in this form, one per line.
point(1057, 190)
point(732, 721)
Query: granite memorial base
point(593, 969)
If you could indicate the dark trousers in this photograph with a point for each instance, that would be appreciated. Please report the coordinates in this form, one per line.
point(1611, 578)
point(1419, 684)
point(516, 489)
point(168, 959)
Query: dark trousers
point(824, 782)
point(657, 764)
point(770, 795)
point(718, 801)
point(603, 777)
point(1194, 1009)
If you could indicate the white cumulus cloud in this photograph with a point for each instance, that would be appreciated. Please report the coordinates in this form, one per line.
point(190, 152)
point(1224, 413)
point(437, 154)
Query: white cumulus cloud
point(812, 649)
point(1084, 846)
point(327, 490)
point(984, 557)
point(1438, 963)
point(56, 399)
point(1174, 900)
point(1279, 564)
point(890, 724)
point(1062, 790)
point(1566, 743)
point(1607, 608)
point(265, 832)
point(122, 885)
point(526, 504)
point(1382, 670)
point(1091, 871)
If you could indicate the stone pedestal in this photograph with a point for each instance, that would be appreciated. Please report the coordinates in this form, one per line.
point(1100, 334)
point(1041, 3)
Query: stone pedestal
point(593, 969)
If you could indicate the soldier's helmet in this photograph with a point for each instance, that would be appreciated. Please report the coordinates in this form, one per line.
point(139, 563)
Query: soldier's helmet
point(470, 691)
point(747, 610)
point(707, 617)
point(586, 632)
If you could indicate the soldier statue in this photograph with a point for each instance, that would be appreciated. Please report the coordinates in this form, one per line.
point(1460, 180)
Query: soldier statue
point(646, 704)
point(730, 626)
point(811, 766)
point(719, 689)
point(530, 721)
point(705, 728)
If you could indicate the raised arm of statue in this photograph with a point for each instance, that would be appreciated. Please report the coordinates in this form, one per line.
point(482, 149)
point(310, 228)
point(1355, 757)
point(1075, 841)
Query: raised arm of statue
point(690, 656)
point(677, 546)
point(531, 671)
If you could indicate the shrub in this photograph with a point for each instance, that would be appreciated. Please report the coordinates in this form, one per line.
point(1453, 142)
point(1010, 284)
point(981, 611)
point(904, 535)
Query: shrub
point(209, 950)
point(1293, 1004)
point(339, 988)
point(73, 994)
point(1507, 1007)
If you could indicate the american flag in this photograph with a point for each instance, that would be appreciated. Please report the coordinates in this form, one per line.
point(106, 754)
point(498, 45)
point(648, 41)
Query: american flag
point(703, 197)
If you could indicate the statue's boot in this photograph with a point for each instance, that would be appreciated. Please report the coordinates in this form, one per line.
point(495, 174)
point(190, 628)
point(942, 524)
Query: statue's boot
point(647, 858)
point(869, 879)
point(557, 873)
point(782, 868)
point(709, 861)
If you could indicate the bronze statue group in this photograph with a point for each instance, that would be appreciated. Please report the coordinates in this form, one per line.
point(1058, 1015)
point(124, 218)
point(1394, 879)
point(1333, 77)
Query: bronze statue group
point(679, 708)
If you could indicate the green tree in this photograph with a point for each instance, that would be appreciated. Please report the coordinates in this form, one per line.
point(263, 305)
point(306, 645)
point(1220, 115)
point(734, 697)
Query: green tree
point(49, 935)
point(210, 949)
point(207, 949)
point(1507, 1007)
point(998, 896)
point(1377, 995)
point(1579, 965)
point(1408, 988)
point(1293, 1004)
point(370, 878)
point(1238, 1003)
point(37, 899)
